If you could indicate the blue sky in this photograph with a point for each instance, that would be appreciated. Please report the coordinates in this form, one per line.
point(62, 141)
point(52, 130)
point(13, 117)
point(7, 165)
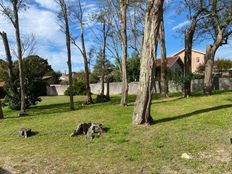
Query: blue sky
point(41, 20)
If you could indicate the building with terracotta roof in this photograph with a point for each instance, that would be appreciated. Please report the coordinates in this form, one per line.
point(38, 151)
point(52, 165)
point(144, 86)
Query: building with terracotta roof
point(2, 84)
point(198, 58)
point(174, 64)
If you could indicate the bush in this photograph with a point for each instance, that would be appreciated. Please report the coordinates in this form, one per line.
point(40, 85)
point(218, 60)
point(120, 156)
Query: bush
point(2, 93)
point(14, 102)
point(102, 99)
point(78, 89)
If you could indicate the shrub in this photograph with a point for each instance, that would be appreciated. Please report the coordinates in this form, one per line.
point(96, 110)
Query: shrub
point(78, 89)
point(102, 99)
point(2, 93)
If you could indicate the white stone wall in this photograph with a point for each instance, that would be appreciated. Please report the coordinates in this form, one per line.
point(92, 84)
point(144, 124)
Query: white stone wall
point(115, 87)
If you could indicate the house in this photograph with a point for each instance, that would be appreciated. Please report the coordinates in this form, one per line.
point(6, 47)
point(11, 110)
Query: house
point(2, 84)
point(64, 77)
point(198, 58)
point(174, 64)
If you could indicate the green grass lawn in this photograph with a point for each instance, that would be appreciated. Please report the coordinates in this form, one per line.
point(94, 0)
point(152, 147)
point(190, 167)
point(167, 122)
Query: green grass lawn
point(200, 126)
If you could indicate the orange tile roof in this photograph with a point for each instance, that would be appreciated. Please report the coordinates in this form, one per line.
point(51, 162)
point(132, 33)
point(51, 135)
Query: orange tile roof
point(2, 84)
point(170, 61)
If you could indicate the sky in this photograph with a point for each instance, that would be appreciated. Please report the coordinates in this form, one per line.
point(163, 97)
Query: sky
point(40, 19)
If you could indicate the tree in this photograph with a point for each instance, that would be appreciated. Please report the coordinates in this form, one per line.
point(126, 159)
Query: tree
point(218, 25)
point(163, 73)
point(64, 18)
point(141, 113)
point(35, 68)
point(12, 14)
point(104, 18)
point(137, 10)
point(221, 65)
point(123, 20)
point(1, 112)
point(102, 69)
point(3, 70)
point(9, 63)
point(196, 9)
point(78, 14)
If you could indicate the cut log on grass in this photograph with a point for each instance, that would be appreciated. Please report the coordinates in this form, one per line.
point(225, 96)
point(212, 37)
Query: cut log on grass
point(88, 129)
point(25, 132)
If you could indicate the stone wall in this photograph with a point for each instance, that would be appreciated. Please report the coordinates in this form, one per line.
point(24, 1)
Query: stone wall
point(115, 88)
point(54, 90)
point(197, 85)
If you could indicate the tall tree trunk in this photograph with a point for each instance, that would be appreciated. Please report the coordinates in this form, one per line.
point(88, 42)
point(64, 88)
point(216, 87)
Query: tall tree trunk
point(1, 112)
point(208, 71)
point(188, 63)
point(189, 34)
point(123, 21)
point(89, 99)
point(108, 88)
point(142, 108)
point(209, 57)
point(104, 58)
point(163, 74)
point(9, 62)
point(20, 58)
point(68, 46)
point(102, 84)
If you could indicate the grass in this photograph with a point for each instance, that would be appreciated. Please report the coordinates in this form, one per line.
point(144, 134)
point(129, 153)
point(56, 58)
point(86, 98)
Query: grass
point(200, 126)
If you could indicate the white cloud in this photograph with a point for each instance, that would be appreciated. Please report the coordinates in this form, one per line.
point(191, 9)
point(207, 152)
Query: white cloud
point(180, 25)
point(49, 4)
point(42, 22)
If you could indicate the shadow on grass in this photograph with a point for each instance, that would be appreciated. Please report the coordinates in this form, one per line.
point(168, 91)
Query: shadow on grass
point(106, 129)
point(3, 171)
point(33, 133)
point(168, 100)
point(192, 114)
point(64, 107)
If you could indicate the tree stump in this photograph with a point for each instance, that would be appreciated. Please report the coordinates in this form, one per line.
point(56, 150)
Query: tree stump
point(25, 132)
point(88, 129)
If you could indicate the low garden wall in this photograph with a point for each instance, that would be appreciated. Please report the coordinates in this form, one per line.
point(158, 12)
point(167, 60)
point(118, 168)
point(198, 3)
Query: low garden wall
point(115, 87)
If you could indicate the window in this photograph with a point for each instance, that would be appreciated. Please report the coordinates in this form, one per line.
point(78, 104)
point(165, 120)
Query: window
point(198, 59)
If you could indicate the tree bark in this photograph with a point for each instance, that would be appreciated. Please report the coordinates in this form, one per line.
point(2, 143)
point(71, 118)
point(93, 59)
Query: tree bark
point(188, 63)
point(89, 99)
point(163, 74)
point(1, 111)
point(102, 84)
point(142, 108)
point(209, 57)
point(104, 58)
point(9, 62)
point(20, 58)
point(108, 88)
point(68, 46)
point(208, 71)
point(189, 34)
point(123, 21)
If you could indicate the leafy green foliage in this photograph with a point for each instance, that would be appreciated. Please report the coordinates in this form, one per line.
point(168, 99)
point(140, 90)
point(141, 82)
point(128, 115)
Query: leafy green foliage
point(222, 64)
point(2, 93)
point(134, 67)
point(103, 66)
point(79, 88)
point(3, 70)
point(35, 69)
